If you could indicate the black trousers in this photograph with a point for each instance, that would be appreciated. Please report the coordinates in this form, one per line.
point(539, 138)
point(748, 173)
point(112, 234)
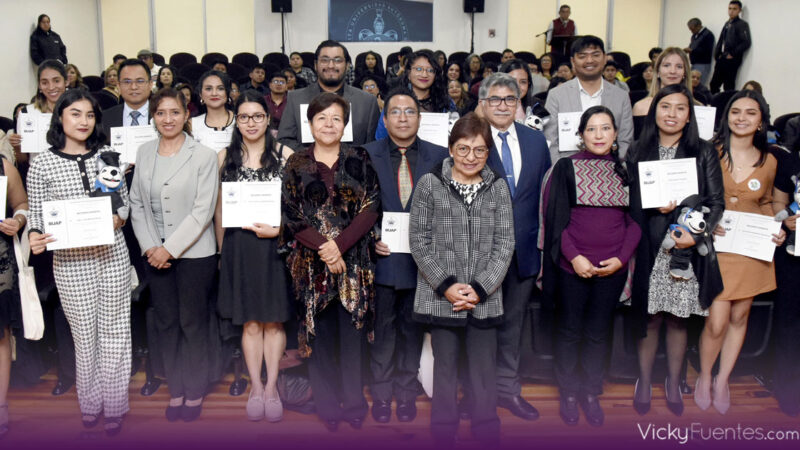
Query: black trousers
point(395, 352)
point(480, 345)
point(181, 301)
point(786, 374)
point(517, 293)
point(584, 317)
point(725, 72)
point(334, 368)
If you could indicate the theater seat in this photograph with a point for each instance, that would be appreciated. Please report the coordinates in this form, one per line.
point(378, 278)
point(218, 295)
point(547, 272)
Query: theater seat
point(528, 57)
point(238, 72)
point(93, 82)
point(181, 59)
point(210, 58)
point(193, 72)
point(276, 58)
point(246, 59)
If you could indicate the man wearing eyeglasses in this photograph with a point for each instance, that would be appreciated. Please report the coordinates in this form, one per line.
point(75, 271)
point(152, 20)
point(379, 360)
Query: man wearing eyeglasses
point(330, 63)
point(134, 88)
point(400, 159)
point(276, 99)
point(520, 153)
point(587, 89)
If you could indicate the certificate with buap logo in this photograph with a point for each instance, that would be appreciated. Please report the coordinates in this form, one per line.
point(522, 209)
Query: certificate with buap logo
point(246, 203)
point(33, 129)
point(83, 222)
point(661, 182)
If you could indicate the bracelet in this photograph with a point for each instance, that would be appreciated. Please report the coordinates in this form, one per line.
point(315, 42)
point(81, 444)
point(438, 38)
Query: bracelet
point(22, 212)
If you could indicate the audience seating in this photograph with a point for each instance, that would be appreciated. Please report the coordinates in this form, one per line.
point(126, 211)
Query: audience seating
point(457, 57)
point(193, 72)
point(779, 125)
point(635, 96)
point(308, 59)
point(528, 57)
point(181, 59)
point(720, 101)
point(6, 124)
point(238, 72)
point(210, 58)
point(492, 57)
point(362, 56)
point(105, 99)
point(93, 82)
point(279, 59)
point(158, 59)
point(624, 61)
point(246, 59)
point(392, 59)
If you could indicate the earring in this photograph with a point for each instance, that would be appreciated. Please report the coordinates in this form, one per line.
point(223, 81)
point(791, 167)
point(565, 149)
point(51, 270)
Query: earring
point(581, 145)
point(760, 127)
point(614, 146)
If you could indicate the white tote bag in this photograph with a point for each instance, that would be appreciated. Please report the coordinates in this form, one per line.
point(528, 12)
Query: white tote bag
point(32, 318)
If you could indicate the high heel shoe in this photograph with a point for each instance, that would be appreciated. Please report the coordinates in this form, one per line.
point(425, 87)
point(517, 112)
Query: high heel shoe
point(721, 405)
point(675, 407)
point(702, 402)
point(641, 407)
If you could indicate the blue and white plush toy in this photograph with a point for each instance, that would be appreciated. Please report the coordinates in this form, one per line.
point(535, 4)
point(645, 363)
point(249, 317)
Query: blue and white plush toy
point(110, 174)
point(690, 221)
point(789, 211)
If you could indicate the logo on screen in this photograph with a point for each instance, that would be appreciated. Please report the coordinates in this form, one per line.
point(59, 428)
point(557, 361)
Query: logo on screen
point(370, 19)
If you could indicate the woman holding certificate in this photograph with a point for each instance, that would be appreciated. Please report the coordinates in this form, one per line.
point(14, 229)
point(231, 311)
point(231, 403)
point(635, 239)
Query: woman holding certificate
point(93, 281)
point(748, 173)
point(589, 238)
point(254, 284)
point(330, 203)
point(173, 194)
point(658, 297)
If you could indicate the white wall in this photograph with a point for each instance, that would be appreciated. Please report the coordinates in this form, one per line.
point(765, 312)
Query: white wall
point(307, 26)
point(18, 20)
point(772, 60)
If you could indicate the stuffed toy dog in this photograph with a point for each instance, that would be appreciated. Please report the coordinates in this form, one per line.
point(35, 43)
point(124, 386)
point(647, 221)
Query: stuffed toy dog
point(110, 176)
point(689, 221)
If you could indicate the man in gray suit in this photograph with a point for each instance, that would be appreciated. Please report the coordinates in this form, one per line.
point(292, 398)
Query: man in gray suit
point(588, 89)
point(331, 62)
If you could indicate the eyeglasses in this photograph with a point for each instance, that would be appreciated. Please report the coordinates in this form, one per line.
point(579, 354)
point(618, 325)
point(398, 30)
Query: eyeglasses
point(278, 82)
point(397, 112)
point(127, 82)
point(428, 70)
point(495, 101)
point(325, 60)
point(257, 118)
point(480, 152)
point(370, 86)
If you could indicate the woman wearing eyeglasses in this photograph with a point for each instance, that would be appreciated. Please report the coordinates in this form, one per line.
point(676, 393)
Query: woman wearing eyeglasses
point(173, 195)
point(253, 282)
point(462, 238)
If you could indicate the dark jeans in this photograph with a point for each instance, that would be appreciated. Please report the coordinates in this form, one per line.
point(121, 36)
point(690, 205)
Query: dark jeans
point(584, 317)
point(481, 349)
point(725, 74)
point(334, 368)
point(786, 374)
point(517, 293)
point(180, 296)
point(395, 352)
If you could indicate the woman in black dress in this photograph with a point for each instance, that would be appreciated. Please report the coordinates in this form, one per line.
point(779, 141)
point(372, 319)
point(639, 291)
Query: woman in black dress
point(254, 289)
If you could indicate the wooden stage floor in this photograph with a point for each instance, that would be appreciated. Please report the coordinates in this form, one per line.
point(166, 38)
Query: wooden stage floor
point(39, 420)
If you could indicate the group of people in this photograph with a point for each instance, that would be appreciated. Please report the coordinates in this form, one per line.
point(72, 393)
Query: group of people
point(503, 216)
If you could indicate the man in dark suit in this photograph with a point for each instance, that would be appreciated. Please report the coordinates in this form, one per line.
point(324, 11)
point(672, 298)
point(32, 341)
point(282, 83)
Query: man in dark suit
point(521, 154)
point(399, 160)
point(734, 41)
point(331, 64)
point(134, 88)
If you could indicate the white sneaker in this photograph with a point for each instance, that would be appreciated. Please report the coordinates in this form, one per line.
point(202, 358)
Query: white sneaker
point(273, 409)
point(255, 407)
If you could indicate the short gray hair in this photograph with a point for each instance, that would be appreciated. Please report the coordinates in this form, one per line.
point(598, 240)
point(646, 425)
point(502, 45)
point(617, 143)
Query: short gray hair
point(498, 80)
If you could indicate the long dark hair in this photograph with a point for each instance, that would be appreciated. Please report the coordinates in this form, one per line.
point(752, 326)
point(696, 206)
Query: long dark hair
point(159, 84)
point(233, 156)
point(56, 136)
point(226, 83)
point(646, 147)
point(40, 100)
point(438, 90)
point(362, 70)
point(722, 138)
point(514, 64)
point(619, 168)
point(38, 29)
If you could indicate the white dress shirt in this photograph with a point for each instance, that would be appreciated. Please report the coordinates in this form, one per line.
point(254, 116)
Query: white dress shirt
point(589, 100)
point(144, 119)
point(513, 144)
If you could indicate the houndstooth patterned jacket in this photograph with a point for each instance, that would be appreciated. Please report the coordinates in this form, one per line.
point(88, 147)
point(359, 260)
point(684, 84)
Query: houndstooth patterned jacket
point(452, 242)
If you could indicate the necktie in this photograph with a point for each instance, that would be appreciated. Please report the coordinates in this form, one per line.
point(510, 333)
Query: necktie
point(135, 118)
point(405, 184)
point(508, 164)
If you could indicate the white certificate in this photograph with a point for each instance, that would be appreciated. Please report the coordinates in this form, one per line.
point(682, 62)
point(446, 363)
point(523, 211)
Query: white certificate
point(127, 140)
point(305, 128)
point(434, 127)
point(3, 193)
point(568, 131)
point(33, 129)
point(213, 139)
point(661, 182)
point(705, 116)
point(747, 234)
point(394, 231)
point(82, 222)
point(246, 203)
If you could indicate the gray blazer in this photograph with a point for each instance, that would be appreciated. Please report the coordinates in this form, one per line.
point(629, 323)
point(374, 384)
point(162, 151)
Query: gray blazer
point(364, 108)
point(188, 199)
point(567, 98)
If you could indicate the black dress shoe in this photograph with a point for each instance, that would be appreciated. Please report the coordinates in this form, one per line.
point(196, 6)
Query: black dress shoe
point(150, 387)
point(675, 407)
point(406, 410)
point(519, 407)
point(62, 386)
point(332, 425)
point(173, 413)
point(592, 410)
point(356, 423)
point(568, 409)
point(382, 411)
point(641, 407)
point(191, 413)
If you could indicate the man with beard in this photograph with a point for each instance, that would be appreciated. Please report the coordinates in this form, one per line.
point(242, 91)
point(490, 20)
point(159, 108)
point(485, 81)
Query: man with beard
point(330, 63)
point(587, 89)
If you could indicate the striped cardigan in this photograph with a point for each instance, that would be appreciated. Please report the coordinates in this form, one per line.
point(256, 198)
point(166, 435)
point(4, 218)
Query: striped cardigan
point(455, 243)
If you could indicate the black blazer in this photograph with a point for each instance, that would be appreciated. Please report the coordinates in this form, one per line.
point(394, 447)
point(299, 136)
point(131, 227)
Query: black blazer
point(112, 117)
point(702, 45)
point(398, 269)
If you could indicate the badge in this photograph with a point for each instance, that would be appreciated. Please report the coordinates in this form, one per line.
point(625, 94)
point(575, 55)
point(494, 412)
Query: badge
point(754, 185)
